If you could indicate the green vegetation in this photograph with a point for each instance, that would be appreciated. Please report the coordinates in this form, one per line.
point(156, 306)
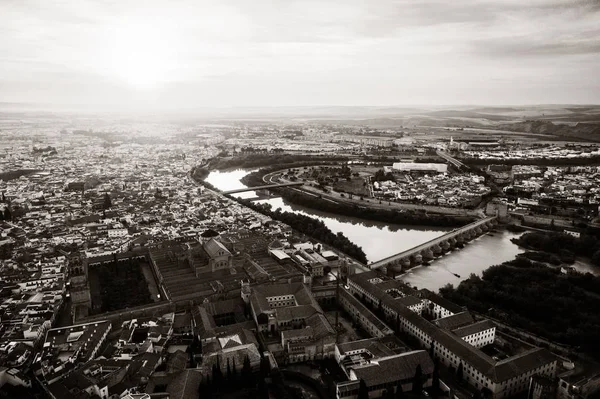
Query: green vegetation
point(122, 285)
point(537, 298)
point(593, 160)
point(368, 213)
point(564, 245)
point(380, 175)
point(411, 217)
point(356, 186)
point(542, 257)
point(311, 227)
point(15, 174)
point(256, 160)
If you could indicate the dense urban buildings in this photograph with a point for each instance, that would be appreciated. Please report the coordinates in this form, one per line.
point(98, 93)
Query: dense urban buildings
point(126, 272)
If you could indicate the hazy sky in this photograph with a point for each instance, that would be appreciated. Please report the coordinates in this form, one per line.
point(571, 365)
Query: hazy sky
point(179, 53)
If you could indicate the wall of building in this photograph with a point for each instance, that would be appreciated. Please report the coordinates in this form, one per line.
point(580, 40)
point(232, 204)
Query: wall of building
point(481, 339)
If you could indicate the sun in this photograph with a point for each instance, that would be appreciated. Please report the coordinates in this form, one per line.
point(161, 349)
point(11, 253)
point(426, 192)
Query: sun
point(142, 53)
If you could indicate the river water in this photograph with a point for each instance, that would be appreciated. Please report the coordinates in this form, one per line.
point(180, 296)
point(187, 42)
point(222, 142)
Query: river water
point(379, 240)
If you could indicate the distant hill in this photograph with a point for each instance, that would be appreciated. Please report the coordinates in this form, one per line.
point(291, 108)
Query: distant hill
point(469, 114)
point(581, 131)
point(494, 110)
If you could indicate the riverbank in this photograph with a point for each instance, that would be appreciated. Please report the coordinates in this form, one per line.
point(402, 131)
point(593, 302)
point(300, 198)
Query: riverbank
point(586, 246)
point(377, 239)
point(306, 225)
point(363, 209)
point(311, 227)
point(474, 258)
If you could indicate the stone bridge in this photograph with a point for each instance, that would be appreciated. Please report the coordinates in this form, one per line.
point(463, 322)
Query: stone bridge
point(265, 187)
point(434, 248)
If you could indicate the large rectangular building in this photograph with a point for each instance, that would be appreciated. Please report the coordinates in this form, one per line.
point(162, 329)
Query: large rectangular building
point(420, 167)
point(292, 310)
point(456, 342)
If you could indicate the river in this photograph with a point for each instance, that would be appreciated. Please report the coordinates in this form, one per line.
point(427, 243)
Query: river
point(379, 240)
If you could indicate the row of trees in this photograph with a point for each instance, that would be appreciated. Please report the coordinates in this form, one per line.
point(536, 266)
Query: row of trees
point(594, 160)
point(218, 383)
point(256, 160)
point(312, 227)
point(368, 213)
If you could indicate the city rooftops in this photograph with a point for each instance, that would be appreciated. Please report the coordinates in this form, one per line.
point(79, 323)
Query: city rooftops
point(78, 340)
point(474, 328)
point(496, 371)
point(393, 368)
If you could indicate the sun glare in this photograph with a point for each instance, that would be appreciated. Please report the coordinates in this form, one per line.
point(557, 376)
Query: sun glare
point(142, 54)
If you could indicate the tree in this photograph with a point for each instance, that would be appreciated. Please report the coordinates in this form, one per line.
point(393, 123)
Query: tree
point(107, 202)
point(247, 372)
point(460, 372)
point(263, 390)
point(418, 380)
point(265, 367)
point(596, 258)
point(190, 351)
point(399, 392)
point(217, 374)
point(205, 389)
point(432, 350)
point(435, 383)
point(363, 391)
point(233, 371)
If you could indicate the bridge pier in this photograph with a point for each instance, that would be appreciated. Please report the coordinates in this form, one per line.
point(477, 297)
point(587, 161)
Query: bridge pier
point(427, 254)
point(445, 246)
point(434, 248)
point(416, 259)
point(395, 267)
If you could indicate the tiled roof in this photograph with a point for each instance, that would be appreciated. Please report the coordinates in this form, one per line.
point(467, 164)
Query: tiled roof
point(474, 328)
point(522, 363)
point(409, 300)
point(393, 368)
point(455, 320)
point(185, 385)
point(214, 247)
point(295, 312)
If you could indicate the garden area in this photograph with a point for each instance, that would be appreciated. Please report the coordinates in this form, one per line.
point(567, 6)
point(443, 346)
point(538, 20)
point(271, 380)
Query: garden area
point(118, 285)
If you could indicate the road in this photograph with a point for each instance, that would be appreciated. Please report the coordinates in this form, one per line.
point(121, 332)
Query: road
point(451, 160)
